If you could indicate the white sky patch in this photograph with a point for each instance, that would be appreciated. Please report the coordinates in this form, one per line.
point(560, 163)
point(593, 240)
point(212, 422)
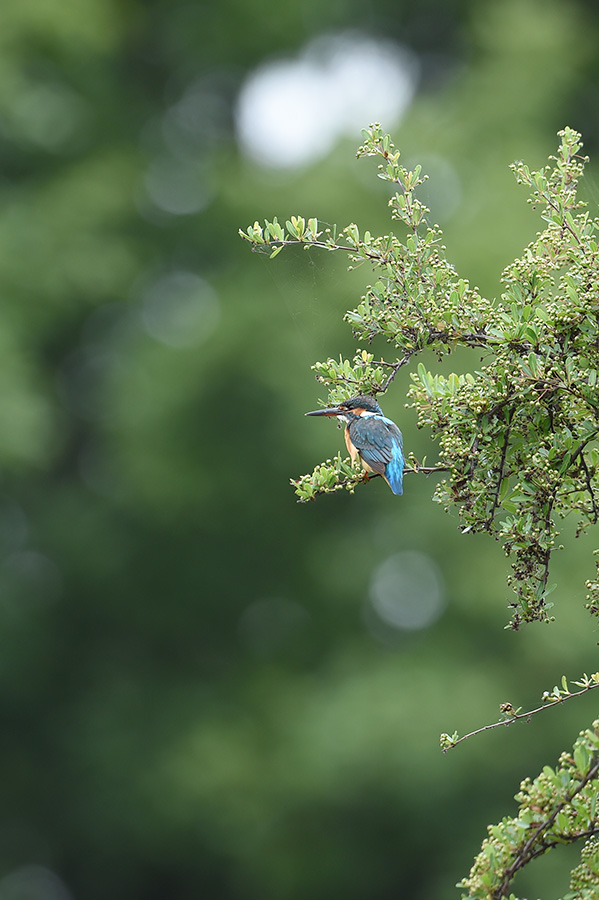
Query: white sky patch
point(291, 112)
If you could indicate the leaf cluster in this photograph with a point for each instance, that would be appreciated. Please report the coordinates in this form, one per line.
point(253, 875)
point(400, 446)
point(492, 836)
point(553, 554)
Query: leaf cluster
point(518, 433)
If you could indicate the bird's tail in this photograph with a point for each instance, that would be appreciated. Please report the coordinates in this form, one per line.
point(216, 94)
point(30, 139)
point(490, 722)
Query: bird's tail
point(394, 475)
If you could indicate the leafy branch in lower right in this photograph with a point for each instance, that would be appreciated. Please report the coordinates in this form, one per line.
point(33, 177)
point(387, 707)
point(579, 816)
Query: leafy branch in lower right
point(558, 807)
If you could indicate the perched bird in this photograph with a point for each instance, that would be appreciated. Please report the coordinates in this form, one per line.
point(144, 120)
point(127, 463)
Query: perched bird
point(371, 436)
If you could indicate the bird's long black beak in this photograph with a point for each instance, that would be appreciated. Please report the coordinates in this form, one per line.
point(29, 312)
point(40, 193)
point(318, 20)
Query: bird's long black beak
point(331, 411)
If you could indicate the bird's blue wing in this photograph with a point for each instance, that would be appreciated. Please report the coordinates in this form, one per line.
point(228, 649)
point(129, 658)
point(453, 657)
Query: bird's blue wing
point(378, 441)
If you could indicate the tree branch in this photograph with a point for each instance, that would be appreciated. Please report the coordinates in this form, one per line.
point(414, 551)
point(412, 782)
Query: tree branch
point(512, 715)
point(525, 856)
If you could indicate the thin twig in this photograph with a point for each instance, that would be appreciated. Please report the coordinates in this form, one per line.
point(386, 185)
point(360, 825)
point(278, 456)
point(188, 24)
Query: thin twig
point(395, 367)
point(588, 479)
point(515, 717)
point(547, 553)
point(500, 477)
point(259, 247)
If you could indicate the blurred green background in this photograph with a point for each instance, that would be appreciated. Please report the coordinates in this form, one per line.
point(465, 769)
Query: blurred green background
point(207, 690)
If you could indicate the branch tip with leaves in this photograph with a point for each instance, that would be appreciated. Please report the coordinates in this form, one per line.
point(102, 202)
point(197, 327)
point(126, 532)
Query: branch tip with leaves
point(509, 714)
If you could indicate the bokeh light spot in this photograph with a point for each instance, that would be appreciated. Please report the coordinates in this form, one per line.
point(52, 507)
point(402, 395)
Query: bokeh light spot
point(177, 187)
point(33, 882)
point(50, 115)
point(180, 309)
point(406, 592)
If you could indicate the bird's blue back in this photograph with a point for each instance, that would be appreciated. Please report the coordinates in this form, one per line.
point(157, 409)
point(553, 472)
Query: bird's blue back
point(380, 444)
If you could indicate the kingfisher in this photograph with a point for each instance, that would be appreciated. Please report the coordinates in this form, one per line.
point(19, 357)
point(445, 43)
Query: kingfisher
point(373, 437)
